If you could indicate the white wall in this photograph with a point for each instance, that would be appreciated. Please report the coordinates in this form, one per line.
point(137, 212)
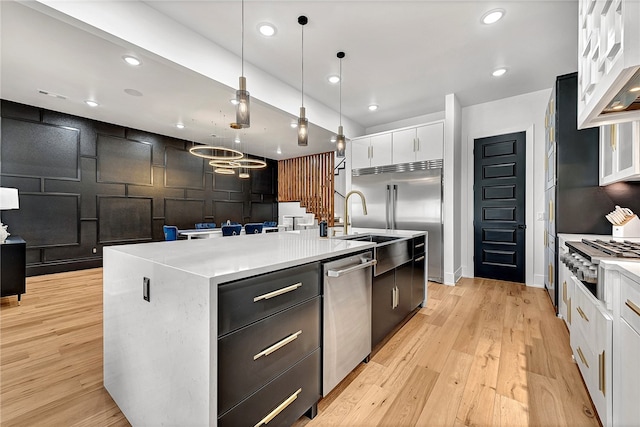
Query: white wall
point(515, 114)
point(452, 178)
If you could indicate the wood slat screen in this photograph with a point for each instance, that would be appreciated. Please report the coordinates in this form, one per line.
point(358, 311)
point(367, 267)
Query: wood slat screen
point(309, 180)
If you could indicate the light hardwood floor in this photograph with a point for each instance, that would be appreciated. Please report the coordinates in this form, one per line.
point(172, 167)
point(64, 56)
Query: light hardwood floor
point(481, 353)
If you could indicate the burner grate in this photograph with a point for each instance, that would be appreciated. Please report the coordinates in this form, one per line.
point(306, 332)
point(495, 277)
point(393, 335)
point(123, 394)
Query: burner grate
point(624, 249)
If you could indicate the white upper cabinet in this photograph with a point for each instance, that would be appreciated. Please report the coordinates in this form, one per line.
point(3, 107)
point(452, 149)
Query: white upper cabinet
point(418, 144)
point(620, 152)
point(371, 151)
point(608, 60)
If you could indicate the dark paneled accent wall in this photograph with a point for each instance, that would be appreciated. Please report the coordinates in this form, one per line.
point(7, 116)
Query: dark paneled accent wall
point(85, 184)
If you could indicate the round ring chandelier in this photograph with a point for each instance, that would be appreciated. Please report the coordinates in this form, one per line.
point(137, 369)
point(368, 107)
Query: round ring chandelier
point(250, 163)
point(216, 153)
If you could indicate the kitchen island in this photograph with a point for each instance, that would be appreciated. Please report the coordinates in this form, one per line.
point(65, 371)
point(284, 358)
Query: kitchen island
point(168, 306)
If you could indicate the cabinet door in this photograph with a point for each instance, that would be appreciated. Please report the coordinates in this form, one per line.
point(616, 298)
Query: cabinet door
point(404, 146)
point(404, 274)
point(628, 140)
point(430, 142)
point(381, 150)
point(564, 279)
point(360, 153)
point(418, 279)
point(607, 139)
point(620, 152)
point(382, 311)
point(627, 376)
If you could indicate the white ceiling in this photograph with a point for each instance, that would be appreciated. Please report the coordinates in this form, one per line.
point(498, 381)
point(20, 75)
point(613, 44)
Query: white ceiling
point(403, 56)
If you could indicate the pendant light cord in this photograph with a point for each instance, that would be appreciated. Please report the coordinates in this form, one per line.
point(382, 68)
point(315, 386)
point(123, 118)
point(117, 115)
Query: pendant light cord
point(242, 38)
point(302, 60)
point(340, 91)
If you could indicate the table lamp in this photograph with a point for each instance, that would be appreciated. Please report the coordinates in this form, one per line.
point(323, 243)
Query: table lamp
point(8, 200)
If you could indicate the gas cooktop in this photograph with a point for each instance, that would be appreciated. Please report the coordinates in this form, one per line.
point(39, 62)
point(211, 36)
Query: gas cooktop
point(623, 249)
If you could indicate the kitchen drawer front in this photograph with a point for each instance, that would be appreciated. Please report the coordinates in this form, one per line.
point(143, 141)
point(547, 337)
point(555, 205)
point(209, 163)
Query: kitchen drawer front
point(630, 302)
point(246, 301)
point(287, 337)
point(590, 367)
point(584, 310)
point(419, 246)
point(281, 393)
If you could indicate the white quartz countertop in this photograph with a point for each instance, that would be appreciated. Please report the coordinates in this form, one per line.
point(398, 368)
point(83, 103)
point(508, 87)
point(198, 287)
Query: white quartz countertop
point(231, 258)
point(628, 267)
point(235, 257)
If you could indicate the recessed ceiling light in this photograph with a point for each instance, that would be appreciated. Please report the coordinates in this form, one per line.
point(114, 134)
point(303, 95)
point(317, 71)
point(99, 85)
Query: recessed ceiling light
point(293, 125)
point(267, 29)
point(234, 101)
point(499, 72)
point(179, 125)
point(237, 140)
point(91, 103)
point(279, 151)
point(373, 107)
point(131, 60)
point(493, 16)
point(635, 89)
point(333, 79)
point(333, 139)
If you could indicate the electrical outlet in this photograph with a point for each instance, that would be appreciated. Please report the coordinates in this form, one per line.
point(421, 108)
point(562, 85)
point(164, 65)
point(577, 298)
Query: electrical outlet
point(146, 284)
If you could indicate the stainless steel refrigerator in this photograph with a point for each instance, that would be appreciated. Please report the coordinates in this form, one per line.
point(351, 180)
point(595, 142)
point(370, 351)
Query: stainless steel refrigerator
point(403, 197)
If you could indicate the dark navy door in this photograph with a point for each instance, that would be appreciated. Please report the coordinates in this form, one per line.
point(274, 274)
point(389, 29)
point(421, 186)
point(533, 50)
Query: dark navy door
point(499, 207)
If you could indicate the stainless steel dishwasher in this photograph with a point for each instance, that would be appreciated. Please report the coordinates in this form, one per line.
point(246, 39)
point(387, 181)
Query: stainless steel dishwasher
point(347, 317)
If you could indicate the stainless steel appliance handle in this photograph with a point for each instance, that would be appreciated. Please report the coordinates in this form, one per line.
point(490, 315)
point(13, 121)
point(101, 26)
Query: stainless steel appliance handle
point(338, 273)
point(387, 207)
point(395, 200)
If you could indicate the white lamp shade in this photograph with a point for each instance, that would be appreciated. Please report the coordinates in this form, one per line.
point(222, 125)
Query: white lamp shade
point(8, 198)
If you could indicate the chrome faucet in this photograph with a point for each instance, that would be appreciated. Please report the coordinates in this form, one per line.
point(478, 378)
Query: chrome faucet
point(346, 208)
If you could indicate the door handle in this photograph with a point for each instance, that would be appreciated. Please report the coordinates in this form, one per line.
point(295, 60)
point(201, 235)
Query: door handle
point(521, 226)
point(338, 273)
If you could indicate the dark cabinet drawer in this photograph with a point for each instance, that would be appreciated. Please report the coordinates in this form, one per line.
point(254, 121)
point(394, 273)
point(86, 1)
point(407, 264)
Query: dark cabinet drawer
point(246, 301)
point(252, 356)
point(293, 393)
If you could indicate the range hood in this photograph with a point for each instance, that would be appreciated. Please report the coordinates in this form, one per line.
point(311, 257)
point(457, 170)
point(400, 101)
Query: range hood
point(627, 99)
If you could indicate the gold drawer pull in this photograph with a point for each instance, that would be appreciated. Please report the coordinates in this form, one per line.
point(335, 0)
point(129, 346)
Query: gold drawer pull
point(564, 291)
point(281, 407)
point(419, 245)
point(601, 363)
point(581, 313)
point(633, 307)
point(582, 357)
point(420, 259)
point(569, 310)
point(267, 351)
point(278, 292)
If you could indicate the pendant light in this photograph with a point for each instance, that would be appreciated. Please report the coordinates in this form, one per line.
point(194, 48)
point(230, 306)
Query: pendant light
point(340, 139)
point(243, 119)
point(303, 122)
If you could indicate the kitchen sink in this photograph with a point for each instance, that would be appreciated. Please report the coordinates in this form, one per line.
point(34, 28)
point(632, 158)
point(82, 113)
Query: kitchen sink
point(371, 238)
point(389, 252)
